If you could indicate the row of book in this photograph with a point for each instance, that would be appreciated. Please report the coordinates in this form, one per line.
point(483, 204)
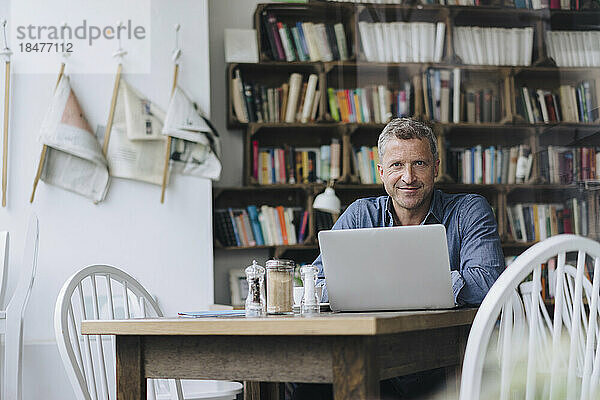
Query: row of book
point(304, 41)
point(491, 165)
point(445, 101)
point(296, 165)
point(533, 222)
point(566, 165)
point(569, 104)
point(295, 101)
point(429, 2)
point(402, 41)
point(376, 104)
point(574, 48)
point(365, 160)
point(552, 4)
point(443, 2)
point(493, 46)
point(264, 226)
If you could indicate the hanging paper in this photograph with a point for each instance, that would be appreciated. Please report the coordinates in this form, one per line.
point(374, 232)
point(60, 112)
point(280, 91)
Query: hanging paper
point(74, 159)
point(197, 148)
point(143, 118)
point(135, 150)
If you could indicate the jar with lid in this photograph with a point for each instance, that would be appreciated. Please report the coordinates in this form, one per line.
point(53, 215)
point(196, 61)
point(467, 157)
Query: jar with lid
point(255, 301)
point(280, 286)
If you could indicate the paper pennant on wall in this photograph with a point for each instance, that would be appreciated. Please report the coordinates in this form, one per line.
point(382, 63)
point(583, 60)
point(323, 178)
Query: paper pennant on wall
point(136, 146)
point(197, 148)
point(74, 160)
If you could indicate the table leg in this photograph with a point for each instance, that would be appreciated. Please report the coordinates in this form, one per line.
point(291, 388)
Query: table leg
point(251, 390)
point(454, 373)
point(355, 368)
point(262, 390)
point(131, 383)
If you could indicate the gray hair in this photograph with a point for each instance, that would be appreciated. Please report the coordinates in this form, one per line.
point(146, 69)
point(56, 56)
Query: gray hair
point(406, 128)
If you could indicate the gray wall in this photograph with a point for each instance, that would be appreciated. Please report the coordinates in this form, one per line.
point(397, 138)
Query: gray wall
point(227, 14)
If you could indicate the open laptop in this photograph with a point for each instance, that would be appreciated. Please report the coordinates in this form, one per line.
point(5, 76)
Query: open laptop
point(394, 268)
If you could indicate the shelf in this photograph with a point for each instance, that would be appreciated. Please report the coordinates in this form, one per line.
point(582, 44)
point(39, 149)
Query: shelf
point(467, 187)
point(273, 247)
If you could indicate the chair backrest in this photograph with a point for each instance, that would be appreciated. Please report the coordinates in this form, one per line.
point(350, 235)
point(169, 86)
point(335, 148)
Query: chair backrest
point(96, 292)
point(3, 265)
point(536, 354)
point(13, 349)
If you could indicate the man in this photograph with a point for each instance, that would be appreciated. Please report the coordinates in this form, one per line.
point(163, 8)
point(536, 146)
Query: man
point(409, 165)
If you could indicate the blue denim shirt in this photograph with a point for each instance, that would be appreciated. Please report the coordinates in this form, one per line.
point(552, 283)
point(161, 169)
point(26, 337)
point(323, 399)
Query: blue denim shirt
point(476, 258)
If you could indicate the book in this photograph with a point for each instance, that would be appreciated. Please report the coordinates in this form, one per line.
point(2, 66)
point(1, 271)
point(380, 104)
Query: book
point(293, 95)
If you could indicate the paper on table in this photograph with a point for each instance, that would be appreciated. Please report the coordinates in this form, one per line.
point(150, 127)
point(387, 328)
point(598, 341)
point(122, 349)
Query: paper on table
point(74, 159)
point(213, 313)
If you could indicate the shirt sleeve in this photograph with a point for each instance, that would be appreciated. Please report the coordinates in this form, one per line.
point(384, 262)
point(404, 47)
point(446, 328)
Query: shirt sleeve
point(348, 220)
point(481, 257)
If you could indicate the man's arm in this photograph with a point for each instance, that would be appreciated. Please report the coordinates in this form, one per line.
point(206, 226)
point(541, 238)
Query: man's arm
point(481, 257)
point(348, 220)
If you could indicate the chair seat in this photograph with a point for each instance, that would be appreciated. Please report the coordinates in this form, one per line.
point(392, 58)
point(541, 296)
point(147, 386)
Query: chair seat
point(206, 389)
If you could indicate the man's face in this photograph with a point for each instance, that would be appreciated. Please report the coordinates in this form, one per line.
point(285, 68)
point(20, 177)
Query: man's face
point(408, 171)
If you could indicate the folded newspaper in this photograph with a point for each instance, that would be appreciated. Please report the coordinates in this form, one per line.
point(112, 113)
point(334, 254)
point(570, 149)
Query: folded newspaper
point(74, 159)
point(136, 149)
point(197, 148)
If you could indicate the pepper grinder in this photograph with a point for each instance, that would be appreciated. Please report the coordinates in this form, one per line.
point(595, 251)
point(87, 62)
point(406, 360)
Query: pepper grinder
point(310, 299)
point(255, 301)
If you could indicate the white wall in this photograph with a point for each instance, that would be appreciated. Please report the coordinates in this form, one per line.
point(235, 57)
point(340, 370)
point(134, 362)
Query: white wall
point(167, 247)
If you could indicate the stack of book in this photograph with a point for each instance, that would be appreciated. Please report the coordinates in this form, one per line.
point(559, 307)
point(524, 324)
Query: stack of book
point(568, 104)
point(533, 222)
point(304, 41)
point(294, 101)
point(402, 41)
point(493, 46)
point(491, 165)
point(444, 98)
point(296, 164)
point(574, 48)
point(376, 104)
point(365, 162)
point(264, 226)
point(566, 165)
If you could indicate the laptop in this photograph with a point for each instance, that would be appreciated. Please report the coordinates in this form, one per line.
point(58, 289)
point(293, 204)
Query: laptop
point(394, 268)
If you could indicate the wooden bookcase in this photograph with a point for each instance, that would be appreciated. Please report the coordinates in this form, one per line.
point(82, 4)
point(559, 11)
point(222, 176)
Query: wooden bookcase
point(512, 129)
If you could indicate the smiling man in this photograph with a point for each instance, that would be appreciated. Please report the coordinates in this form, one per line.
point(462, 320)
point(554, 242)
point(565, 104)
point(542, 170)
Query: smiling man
point(409, 165)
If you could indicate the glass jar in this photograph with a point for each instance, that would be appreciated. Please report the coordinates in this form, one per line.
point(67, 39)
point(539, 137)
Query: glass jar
point(310, 299)
point(255, 301)
point(280, 286)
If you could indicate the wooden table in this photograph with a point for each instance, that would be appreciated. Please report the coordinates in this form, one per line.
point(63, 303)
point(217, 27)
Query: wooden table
point(354, 351)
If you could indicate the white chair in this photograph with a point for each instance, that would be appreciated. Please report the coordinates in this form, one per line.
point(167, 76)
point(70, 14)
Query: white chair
point(105, 292)
point(538, 358)
point(11, 318)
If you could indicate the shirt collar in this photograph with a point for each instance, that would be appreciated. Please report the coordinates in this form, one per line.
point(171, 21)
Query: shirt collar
point(434, 215)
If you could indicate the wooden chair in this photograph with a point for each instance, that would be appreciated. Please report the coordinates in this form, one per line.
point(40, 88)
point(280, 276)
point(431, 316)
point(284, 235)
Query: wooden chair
point(11, 317)
point(539, 356)
point(105, 292)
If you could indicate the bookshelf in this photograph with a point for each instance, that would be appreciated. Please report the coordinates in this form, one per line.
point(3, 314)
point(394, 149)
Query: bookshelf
point(510, 127)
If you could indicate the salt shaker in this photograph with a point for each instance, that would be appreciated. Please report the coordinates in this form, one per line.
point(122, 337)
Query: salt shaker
point(310, 299)
point(280, 286)
point(255, 301)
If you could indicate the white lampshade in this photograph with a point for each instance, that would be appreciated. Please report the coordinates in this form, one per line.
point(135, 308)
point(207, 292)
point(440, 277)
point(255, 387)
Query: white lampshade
point(328, 201)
